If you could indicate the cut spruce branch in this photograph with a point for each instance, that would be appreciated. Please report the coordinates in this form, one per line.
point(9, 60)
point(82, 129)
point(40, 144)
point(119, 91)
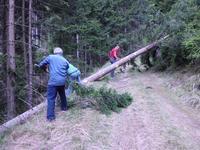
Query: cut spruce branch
point(105, 100)
point(122, 61)
point(21, 118)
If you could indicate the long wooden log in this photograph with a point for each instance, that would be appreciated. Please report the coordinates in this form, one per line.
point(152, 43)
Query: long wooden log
point(21, 118)
point(108, 69)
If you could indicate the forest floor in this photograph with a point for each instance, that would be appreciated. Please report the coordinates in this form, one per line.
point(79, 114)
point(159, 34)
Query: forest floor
point(158, 119)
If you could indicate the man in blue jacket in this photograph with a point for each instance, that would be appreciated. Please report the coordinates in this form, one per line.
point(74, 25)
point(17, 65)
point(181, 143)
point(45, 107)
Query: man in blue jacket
point(58, 67)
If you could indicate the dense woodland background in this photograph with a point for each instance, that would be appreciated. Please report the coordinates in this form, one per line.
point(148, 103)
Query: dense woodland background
point(86, 30)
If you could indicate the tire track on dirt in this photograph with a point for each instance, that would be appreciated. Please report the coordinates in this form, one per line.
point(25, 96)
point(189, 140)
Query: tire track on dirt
point(132, 132)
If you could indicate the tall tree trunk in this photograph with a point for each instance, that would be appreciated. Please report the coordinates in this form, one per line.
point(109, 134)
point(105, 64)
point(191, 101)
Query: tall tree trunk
point(24, 44)
point(90, 60)
point(100, 59)
point(4, 47)
point(36, 31)
point(85, 60)
point(10, 61)
point(77, 49)
point(30, 91)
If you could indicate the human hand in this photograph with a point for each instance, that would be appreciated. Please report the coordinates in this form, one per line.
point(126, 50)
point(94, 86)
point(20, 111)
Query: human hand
point(36, 65)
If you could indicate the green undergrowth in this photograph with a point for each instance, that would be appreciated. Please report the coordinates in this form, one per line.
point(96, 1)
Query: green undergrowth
point(104, 99)
point(2, 139)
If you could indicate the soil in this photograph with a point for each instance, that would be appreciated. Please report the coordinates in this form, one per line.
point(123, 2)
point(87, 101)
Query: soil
point(156, 120)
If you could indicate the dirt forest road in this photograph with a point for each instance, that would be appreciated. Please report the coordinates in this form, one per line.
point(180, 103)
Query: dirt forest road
point(156, 120)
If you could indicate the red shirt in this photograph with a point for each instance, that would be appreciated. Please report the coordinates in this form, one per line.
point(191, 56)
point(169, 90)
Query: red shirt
point(114, 52)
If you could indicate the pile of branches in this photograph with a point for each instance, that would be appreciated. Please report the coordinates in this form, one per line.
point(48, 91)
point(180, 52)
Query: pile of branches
point(105, 100)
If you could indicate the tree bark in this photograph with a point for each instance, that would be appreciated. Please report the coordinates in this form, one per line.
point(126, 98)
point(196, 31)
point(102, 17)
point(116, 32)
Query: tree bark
point(77, 50)
point(24, 46)
point(85, 62)
point(30, 82)
point(21, 118)
point(90, 60)
point(10, 61)
point(4, 47)
point(122, 61)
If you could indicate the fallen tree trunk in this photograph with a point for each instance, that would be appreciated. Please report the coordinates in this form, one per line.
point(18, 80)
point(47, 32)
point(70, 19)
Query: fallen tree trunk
point(108, 69)
point(21, 118)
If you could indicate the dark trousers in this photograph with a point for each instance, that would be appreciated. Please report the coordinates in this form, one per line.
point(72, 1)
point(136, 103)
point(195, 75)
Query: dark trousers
point(51, 96)
point(112, 61)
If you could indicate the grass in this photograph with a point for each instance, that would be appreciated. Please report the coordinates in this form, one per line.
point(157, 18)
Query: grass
point(76, 127)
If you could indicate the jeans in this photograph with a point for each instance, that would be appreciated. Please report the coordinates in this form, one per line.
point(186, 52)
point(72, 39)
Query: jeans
point(112, 61)
point(51, 96)
point(75, 77)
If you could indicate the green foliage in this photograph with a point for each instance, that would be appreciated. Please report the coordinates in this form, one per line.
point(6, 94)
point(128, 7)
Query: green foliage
point(164, 5)
point(132, 23)
point(2, 139)
point(108, 97)
point(104, 99)
point(181, 22)
point(192, 46)
point(160, 66)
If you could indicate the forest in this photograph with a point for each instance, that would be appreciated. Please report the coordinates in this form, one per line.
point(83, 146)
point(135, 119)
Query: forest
point(86, 30)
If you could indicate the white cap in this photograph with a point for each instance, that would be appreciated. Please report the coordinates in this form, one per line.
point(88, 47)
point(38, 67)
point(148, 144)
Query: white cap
point(57, 50)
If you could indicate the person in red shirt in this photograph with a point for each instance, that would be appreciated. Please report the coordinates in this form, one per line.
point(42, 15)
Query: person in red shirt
point(114, 56)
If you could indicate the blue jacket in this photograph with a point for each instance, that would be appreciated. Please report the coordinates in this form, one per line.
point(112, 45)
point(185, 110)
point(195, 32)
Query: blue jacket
point(72, 70)
point(58, 67)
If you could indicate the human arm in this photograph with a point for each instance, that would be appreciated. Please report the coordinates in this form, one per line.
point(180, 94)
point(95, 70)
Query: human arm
point(43, 64)
point(116, 53)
